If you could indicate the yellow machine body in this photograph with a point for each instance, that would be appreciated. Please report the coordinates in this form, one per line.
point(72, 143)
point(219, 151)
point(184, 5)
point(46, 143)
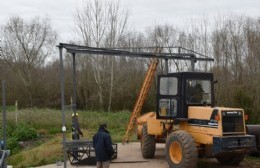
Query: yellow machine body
point(202, 134)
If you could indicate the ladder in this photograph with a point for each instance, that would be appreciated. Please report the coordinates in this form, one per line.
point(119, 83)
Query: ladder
point(141, 98)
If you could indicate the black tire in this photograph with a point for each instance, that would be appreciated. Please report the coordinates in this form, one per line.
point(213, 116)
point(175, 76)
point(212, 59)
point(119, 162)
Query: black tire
point(148, 143)
point(231, 159)
point(181, 150)
point(255, 154)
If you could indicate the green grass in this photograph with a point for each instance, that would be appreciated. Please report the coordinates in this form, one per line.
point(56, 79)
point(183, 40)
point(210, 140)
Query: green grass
point(48, 123)
point(47, 153)
point(51, 120)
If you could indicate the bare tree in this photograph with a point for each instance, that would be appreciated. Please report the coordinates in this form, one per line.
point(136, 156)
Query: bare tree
point(101, 24)
point(170, 37)
point(117, 27)
point(26, 45)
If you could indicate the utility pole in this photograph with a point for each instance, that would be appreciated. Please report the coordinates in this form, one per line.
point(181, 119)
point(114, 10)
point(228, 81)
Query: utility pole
point(62, 108)
point(4, 164)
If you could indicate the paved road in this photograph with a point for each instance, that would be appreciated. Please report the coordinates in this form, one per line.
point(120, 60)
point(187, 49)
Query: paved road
point(127, 155)
point(130, 153)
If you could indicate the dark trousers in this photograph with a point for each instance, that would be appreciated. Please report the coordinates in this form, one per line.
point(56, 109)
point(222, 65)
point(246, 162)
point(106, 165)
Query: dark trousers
point(75, 136)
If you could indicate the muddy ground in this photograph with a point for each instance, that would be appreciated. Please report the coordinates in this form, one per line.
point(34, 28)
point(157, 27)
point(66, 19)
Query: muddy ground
point(129, 156)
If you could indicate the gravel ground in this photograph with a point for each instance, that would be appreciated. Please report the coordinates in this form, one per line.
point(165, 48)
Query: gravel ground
point(129, 156)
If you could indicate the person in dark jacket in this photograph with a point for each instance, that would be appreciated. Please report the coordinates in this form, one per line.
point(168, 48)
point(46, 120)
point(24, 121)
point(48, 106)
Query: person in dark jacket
point(76, 131)
point(102, 144)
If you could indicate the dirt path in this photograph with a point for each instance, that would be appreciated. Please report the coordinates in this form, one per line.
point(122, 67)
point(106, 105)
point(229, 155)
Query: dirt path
point(130, 153)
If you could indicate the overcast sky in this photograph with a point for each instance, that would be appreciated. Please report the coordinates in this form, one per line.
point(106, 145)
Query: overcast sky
point(143, 13)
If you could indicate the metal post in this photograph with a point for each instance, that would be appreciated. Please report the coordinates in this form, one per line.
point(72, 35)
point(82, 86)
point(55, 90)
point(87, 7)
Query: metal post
point(4, 123)
point(166, 66)
point(74, 84)
point(179, 50)
point(193, 60)
point(62, 107)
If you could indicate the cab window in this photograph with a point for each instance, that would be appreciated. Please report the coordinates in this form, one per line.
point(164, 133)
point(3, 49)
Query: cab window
point(168, 107)
point(168, 86)
point(198, 91)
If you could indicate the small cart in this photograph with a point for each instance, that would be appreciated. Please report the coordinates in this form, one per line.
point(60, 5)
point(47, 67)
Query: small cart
point(82, 152)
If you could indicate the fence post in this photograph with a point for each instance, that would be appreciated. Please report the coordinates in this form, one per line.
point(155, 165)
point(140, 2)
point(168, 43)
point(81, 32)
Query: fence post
point(16, 111)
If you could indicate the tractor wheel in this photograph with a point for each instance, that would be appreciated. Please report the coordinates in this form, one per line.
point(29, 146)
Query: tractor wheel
point(147, 143)
point(181, 151)
point(231, 159)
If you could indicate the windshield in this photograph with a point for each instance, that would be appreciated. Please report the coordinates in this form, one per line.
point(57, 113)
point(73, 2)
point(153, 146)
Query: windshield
point(198, 91)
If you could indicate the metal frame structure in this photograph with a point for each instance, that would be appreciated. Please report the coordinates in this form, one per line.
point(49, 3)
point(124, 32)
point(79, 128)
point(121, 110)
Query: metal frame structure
point(136, 52)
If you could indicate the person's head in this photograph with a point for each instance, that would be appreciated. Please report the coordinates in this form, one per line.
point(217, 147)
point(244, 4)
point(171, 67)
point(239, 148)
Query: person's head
point(198, 85)
point(74, 115)
point(103, 126)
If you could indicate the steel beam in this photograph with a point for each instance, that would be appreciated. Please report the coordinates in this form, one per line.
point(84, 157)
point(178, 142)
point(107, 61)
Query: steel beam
point(74, 84)
point(4, 163)
point(115, 52)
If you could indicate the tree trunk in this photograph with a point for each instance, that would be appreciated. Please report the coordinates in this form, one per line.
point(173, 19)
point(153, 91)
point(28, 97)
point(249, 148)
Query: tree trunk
point(100, 89)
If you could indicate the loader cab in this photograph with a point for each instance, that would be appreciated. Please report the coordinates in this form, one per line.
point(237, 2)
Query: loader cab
point(177, 91)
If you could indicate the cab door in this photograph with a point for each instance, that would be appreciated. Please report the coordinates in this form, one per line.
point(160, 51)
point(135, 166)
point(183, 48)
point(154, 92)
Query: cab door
point(168, 96)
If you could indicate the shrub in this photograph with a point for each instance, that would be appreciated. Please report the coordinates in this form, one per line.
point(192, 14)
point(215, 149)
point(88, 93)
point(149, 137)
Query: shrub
point(54, 131)
point(21, 132)
point(24, 132)
point(12, 144)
